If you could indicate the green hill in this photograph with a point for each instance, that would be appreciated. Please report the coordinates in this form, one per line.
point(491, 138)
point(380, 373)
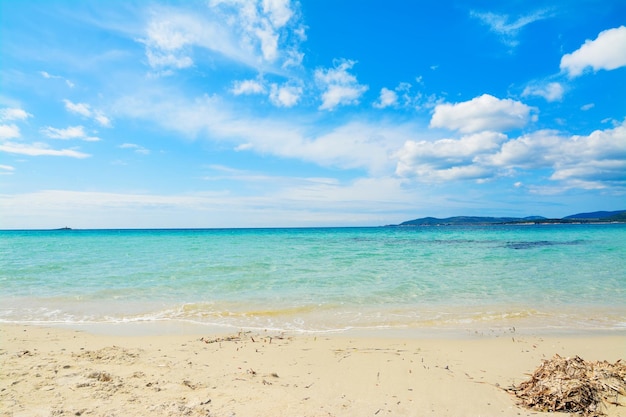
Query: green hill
point(597, 216)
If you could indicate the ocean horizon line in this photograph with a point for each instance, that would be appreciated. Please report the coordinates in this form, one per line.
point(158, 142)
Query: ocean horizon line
point(603, 217)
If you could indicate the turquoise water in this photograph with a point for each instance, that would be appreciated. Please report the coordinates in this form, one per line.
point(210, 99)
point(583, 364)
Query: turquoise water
point(553, 277)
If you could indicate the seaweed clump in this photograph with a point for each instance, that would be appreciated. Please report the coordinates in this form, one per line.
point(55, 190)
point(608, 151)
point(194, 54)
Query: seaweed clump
point(573, 385)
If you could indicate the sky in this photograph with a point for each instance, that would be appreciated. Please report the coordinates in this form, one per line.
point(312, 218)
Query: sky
point(279, 113)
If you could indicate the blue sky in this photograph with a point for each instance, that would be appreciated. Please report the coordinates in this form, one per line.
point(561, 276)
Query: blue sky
point(223, 113)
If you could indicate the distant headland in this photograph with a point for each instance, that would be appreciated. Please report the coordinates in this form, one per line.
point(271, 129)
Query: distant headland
point(618, 216)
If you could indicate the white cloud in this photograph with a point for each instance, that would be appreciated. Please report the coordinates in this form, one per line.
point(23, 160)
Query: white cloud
point(269, 43)
point(379, 147)
point(551, 91)
point(50, 76)
point(387, 98)
point(102, 119)
point(7, 168)
point(8, 114)
point(254, 33)
point(278, 11)
point(607, 51)
point(261, 24)
point(79, 108)
point(532, 151)
point(159, 59)
point(356, 144)
point(590, 161)
point(248, 87)
point(338, 85)
point(85, 110)
point(587, 106)
point(402, 97)
point(598, 158)
point(506, 29)
point(9, 132)
point(285, 96)
point(447, 159)
point(171, 33)
point(39, 149)
point(72, 132)
point(593, 161)
point(481, 113)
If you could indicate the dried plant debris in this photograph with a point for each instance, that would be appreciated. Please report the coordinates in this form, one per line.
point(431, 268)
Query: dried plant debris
point(573, 385)
point(234, 338)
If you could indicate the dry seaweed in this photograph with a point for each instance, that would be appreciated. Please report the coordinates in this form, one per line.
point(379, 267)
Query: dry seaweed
point(573, 385)
point(236, 338)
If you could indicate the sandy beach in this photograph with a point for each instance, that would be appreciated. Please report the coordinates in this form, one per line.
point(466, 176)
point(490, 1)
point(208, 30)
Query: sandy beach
point(54, 372)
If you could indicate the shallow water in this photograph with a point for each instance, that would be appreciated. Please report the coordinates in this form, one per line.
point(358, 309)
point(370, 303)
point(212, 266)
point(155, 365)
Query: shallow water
point(550, 277)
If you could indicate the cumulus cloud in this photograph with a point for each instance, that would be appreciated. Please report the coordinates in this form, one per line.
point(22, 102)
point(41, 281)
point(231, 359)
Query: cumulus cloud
point(551, 91)
point(593, 161)
point(387, 98)
point(506, 29)
point(278, 11)
point(285, 96)
point(9, 131)
point(485, 112)
point(532, 151)
point(8, 114)
point(248, 87)
point(447, 159)
point(339, 87)
point(607, 52)
point(72, 132)
point(590, 161)
point(403, 97)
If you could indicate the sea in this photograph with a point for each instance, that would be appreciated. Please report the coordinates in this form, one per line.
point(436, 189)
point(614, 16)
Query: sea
point(559, 278)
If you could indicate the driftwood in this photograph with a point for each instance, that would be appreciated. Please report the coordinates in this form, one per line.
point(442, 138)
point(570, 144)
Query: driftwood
point(573, 385)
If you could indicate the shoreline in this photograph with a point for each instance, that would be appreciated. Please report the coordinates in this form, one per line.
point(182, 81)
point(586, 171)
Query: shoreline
point(151, 317)
point(60, 371)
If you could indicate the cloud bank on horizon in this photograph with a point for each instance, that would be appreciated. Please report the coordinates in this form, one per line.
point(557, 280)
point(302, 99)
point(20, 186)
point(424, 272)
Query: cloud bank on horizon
point(248, 113)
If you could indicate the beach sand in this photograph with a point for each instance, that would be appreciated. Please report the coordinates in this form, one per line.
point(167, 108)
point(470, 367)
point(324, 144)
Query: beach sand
point(61, 372)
